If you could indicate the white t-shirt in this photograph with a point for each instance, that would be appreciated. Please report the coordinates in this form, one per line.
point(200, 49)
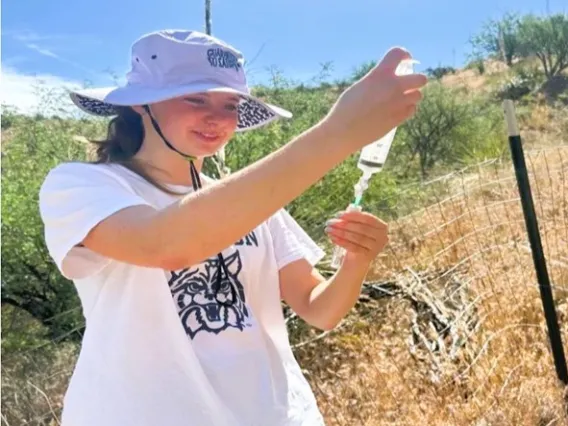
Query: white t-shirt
point(158, 349)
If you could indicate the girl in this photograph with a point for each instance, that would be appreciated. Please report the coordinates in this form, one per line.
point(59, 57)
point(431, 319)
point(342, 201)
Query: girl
point(181, 277)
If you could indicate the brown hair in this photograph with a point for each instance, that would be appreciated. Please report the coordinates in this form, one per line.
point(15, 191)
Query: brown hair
point(125, 135)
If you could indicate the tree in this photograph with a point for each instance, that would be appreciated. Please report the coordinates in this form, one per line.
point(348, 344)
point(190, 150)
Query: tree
point(448, 129)
point(499, 39)
point(362, 70)
point(547, 39)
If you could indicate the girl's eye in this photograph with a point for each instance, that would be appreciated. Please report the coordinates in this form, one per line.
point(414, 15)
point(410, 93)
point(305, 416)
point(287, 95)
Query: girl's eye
point(232, 107)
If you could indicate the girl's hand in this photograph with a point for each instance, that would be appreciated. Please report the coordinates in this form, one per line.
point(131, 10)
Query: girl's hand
point(361, 234)
point(377, 103)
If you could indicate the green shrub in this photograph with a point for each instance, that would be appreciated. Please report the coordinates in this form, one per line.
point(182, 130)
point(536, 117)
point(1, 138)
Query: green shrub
point(30, 281)
point(514, 88)
point(450, 129)
point(439, 72)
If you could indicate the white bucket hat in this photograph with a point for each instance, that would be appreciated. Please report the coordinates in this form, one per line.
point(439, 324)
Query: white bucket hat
point(171, 63)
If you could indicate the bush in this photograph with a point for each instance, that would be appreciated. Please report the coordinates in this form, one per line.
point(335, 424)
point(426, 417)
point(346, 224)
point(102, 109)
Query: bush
point(30, 280)
point(514, 88)
point(448, 130)
point(524, 81)
point(478, 65)
point(438, 72)
point(9, 117)
point(556, 89)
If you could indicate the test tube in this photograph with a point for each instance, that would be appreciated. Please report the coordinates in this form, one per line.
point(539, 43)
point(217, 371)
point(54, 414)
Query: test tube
point(339, 252)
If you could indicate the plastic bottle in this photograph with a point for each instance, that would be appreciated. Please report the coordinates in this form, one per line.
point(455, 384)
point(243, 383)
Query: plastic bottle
point(371, 161)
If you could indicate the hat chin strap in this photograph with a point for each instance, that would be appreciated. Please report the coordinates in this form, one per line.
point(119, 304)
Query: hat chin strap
point(159, 132)
point(196, 183)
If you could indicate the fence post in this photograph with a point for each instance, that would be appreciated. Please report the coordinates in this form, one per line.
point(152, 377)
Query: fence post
point(523, 183)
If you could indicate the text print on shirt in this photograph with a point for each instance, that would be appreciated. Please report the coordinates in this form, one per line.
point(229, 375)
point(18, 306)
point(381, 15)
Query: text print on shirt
point(194, 296)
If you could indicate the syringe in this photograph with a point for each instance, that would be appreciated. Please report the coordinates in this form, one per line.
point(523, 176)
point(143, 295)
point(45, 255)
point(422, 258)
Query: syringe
point(371, 161)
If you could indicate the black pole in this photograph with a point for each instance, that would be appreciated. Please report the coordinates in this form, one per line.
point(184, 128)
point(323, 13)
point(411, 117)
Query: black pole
point(208, 17)
point(516, 147)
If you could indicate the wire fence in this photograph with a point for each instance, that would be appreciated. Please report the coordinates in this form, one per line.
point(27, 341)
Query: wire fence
point(448, 330)
point(450, 327)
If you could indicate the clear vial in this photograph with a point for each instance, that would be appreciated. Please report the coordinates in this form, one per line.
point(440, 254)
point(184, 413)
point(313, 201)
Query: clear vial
point(339, 252)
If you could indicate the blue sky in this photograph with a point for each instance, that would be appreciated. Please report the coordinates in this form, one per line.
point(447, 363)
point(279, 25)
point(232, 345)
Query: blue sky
point(72, 41)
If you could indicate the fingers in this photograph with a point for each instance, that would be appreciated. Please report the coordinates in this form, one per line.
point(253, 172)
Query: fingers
point(411, 82)
point(412, 98)
point(392, 59)
point(348, 245)
point(356, 239)
point(360, 234)
point(341, 228)
point(361, 217)
point(373, 241)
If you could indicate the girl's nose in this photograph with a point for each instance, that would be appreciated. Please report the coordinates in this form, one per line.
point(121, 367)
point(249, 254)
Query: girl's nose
point(220, 114)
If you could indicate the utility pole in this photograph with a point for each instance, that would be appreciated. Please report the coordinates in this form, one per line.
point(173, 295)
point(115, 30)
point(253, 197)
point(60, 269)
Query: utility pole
point(208, 17)
point(220, 156)
point(547, 7)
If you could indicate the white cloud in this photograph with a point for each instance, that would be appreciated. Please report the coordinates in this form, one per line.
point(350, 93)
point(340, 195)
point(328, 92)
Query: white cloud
point(30, 94)
point(45, 52)
point(66, 41)
point(56, 46)
point(50, 53)
point(25, 36)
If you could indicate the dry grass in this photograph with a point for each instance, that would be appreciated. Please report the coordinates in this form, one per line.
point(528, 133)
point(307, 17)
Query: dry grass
point(472, 80)
point(544, 125)
point(495, 366)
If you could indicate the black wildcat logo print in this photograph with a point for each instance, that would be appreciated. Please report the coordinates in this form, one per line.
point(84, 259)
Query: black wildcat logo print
point(193, 294)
